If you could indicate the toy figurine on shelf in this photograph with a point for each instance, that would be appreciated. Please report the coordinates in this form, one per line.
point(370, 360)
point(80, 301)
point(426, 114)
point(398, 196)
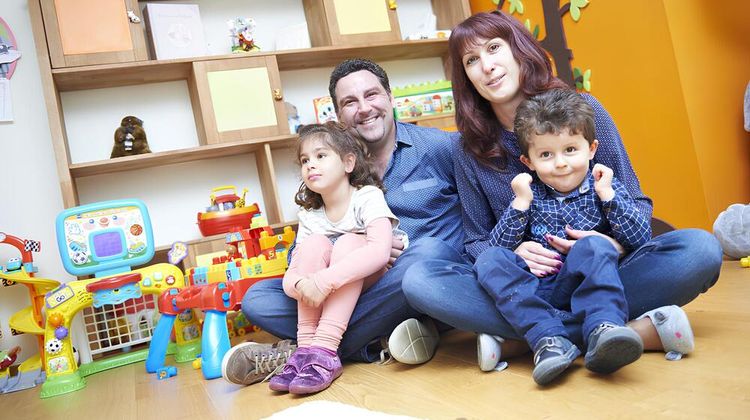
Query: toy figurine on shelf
point(130, 138)
point(7, 358)
point(241, 32)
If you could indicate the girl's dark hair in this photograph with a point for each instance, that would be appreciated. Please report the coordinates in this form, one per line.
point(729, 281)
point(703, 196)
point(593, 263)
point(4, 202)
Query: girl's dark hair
point(475, 118)
point(336, 136)
point(553, 112)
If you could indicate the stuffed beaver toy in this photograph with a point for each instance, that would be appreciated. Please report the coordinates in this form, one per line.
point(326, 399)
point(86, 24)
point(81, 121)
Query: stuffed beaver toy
point(130, 139)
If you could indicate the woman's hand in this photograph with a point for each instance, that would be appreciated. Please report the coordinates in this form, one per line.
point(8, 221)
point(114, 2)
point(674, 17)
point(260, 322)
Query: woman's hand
point(563, 245)
point(521, 185)
point(397, 248)
point(309, 292)
point(541, 261)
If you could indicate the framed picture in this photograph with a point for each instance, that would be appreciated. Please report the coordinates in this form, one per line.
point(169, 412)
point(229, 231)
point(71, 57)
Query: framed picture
point(175, 30)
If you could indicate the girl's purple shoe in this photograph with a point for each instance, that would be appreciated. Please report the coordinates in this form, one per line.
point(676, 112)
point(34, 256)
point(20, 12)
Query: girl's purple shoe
point(318, 373)
point(280, 382)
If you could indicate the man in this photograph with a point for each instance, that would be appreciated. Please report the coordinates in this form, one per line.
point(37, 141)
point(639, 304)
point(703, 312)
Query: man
point(417, 170)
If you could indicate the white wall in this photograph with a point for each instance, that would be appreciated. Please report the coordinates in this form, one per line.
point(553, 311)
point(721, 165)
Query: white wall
point(29, 192)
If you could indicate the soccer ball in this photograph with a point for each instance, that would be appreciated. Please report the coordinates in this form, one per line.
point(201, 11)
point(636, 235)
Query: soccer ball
point(53, 346)
point(80, 258)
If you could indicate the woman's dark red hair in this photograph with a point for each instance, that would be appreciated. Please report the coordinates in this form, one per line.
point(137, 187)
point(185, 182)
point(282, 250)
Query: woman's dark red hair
point(480, 128)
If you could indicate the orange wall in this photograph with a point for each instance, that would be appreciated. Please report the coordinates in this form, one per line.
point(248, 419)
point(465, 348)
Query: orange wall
point(712, 47)
point(639, 52)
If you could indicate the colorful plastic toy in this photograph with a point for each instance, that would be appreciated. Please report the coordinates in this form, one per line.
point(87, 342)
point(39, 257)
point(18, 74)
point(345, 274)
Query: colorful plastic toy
point(426, 99)
point(745, 262)
point(227, 212)
point(166, 372)
point(28, 320)
point(218, 288)
point(104, 239)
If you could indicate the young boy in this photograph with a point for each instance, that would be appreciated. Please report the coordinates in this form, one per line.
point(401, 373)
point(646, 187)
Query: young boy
point(555, 132)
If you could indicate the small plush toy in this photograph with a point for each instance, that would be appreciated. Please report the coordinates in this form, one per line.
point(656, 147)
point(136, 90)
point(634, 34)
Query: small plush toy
point(130, 139)
point(732, 228)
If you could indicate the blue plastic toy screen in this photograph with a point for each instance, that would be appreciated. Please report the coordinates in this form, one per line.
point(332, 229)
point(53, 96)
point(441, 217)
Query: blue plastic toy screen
point(103, 237)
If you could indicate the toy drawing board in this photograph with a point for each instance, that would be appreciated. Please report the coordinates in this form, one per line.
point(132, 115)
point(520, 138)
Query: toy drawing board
point(106, 237)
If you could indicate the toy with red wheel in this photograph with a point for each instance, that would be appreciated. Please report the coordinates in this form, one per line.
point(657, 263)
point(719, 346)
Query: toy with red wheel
point(227, 212)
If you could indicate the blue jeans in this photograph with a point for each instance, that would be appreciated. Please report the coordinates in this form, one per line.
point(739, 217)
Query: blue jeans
point(670, 269)
point(585, 293)
point(379, 309)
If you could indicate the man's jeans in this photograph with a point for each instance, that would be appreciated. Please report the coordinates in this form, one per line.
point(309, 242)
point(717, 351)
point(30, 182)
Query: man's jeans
point(670, 269)
point(379, 309)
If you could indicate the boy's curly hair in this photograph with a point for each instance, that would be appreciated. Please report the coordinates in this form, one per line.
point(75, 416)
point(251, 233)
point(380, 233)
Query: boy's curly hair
point(552, 112)
point(337, 137)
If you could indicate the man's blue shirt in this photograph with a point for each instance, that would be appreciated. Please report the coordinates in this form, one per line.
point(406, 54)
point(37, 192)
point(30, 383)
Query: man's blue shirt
point(421, 186)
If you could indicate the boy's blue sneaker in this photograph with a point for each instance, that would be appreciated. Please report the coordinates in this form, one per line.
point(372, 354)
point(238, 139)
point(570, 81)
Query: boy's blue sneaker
point(552, 355)
point(612, 347)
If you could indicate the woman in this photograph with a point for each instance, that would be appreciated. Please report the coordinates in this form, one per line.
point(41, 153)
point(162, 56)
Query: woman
point(496, 65)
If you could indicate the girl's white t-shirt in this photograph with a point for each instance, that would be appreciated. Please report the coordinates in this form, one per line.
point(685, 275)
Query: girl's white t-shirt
point(367, 204)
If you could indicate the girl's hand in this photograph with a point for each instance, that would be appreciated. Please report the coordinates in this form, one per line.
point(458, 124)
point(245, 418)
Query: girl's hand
point(397, 248)
point(564, 245)
point(309, 292)
point(603, 182)
point(541, 261)
point(521, 185)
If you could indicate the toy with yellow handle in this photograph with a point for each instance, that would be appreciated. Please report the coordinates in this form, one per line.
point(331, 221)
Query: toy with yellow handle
point(64, 302)
point(104, 239)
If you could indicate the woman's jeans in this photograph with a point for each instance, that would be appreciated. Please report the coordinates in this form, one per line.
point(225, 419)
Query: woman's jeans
point(670, 269)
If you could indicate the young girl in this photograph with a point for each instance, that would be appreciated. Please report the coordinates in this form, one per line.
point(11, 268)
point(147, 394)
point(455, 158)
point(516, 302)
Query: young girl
point(342, 247)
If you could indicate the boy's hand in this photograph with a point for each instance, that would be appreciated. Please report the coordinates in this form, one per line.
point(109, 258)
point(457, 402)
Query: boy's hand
point(309, 292)
point(521, 185)
point(603, 182)
point(564, 245)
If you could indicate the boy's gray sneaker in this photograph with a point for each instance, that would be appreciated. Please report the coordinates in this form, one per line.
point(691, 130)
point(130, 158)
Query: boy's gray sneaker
point(612, 347)
point(414, 341)
point(248, 363)
point(552, 355)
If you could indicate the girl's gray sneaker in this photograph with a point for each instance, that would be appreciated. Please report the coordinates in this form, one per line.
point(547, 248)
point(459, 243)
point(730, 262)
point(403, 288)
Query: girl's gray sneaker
point(248, 363)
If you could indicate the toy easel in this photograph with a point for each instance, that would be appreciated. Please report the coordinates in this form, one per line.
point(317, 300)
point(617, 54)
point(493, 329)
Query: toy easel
point(104, 239)
point(29, 319)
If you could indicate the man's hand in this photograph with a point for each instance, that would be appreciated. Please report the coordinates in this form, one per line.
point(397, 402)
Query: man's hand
point(564, 245)
point(521, 185)
point(309, 292)
point(397, 248)
point(603, 182)
point(541, 261)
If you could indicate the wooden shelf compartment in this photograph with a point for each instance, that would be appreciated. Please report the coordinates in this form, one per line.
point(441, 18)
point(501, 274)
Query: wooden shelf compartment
point(150, 160)
point(141, 72)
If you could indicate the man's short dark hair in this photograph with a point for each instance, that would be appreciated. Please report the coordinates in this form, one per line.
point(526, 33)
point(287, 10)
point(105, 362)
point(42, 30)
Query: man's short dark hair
point(552, 112)
point(353, 65)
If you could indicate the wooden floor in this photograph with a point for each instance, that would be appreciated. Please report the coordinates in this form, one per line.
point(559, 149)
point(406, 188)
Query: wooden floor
point(713, 382)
